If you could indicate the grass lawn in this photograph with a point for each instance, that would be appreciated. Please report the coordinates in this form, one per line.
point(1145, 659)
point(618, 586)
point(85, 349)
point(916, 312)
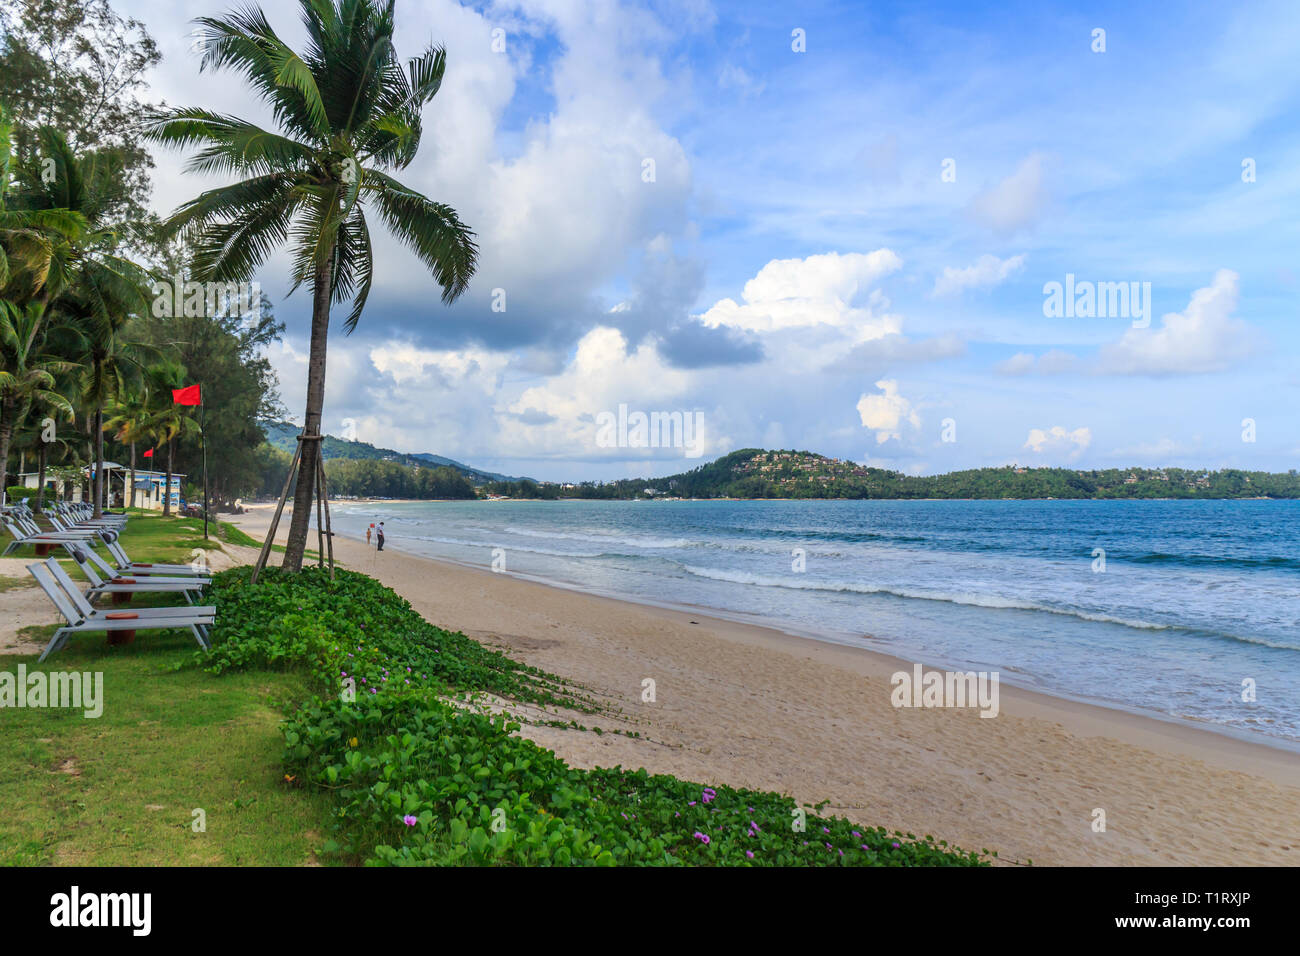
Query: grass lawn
point(121, 789)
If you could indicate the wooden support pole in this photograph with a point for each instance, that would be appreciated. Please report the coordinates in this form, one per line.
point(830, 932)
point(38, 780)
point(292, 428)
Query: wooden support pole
point(279, 509)
point(325, 498)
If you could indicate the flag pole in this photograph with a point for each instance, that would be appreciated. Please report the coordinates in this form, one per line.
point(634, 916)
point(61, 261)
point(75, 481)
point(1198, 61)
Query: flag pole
point(203, 444)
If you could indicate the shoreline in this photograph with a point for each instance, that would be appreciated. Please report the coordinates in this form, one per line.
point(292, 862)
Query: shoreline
point(1132, 724)
point(901, 657)
point(757, 707)
point(895, 661)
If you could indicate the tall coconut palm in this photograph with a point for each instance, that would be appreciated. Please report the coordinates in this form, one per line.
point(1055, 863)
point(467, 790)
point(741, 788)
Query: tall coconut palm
point(41, 434)
point(26, 376)
point(83, 279)
point(115, 366)
point(128, 422)
point(166, 420)
point(347, 113)
point(56, 211)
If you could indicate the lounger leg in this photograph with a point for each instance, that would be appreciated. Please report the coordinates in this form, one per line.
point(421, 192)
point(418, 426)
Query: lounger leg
point(52, 646)
point(194, 628)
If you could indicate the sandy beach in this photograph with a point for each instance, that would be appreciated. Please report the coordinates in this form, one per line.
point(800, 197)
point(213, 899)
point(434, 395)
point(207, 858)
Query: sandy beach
point(755, 707)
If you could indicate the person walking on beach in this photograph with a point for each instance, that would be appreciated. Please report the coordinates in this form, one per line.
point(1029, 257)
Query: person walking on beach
point(368, 530)
point(379, 536)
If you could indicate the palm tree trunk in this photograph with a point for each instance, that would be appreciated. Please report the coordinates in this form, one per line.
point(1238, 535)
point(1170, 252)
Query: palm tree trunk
point(40, 481)
point(98, 490)
point(320, 321)
point(6, 435)
point(167, 488)
point(125, 503)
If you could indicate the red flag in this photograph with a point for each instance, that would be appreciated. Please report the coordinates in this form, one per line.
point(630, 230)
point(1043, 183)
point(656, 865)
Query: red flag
point(149, 453)
point(190, 395)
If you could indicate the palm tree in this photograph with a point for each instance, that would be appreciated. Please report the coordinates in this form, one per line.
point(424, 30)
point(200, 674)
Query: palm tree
point(114, 367)
point(166, 420)
point(54, 220)
point(347, 112)
point(129, 423)
point(35, 434)
point(27, 375)
point(31, 239)
point(81, 278)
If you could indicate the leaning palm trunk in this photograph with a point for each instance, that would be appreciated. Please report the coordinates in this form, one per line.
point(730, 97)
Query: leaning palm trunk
point(127, 504)
point(348, 113)
point(320, 322)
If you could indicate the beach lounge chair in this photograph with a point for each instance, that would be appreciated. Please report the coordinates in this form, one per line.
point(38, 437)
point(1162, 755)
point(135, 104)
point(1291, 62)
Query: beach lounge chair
point(28, 524)
point(132, 585)
point(124, 564)
point(88, 526)
point(81, 617)
point(148, 573)
point(21, 536)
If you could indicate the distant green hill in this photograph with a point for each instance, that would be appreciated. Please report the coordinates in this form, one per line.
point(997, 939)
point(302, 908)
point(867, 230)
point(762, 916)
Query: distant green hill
point(756, 473)
point(283, 435)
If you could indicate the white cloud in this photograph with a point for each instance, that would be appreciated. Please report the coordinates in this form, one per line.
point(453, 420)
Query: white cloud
point(603, 374)
point(1205, 337)
point(1016, 202)
point(885, 413)
point(407, 363)
point(986, 272)
point(1056, 440)
point(818, 290)
point(1051, 362)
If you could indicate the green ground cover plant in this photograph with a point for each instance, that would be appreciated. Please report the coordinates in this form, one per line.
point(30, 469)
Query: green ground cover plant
point(417, 777)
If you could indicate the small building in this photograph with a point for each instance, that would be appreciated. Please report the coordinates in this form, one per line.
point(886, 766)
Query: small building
point(147, 492)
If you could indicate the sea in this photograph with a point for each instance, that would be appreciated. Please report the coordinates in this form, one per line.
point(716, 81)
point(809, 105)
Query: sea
point(1187, 610)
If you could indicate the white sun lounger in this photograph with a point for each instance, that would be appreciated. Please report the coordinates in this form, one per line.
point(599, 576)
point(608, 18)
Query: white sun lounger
point(22, 537)
point(81, 617)
point(148, 574)
point(131, 585)
point(126, 566)
point(31, 527)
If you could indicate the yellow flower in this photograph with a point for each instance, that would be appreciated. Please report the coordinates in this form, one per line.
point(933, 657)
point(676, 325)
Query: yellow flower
point(352, 742)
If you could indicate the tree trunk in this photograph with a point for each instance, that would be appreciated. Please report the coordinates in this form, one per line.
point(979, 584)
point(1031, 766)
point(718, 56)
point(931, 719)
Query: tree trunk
point(6, 435)
point(98, 488)
point(320, 321)
point(40, 480)
point(125, 503)
point(167, 488)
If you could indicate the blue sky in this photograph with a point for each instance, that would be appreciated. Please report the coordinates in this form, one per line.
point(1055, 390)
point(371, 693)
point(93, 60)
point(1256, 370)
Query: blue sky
point(800, 272)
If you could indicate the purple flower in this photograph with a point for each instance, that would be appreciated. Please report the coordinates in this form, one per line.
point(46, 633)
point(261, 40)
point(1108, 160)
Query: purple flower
point(702, 837)
point(409, 820)
point(749, 854)
point(896, 846)
point(856, 833)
